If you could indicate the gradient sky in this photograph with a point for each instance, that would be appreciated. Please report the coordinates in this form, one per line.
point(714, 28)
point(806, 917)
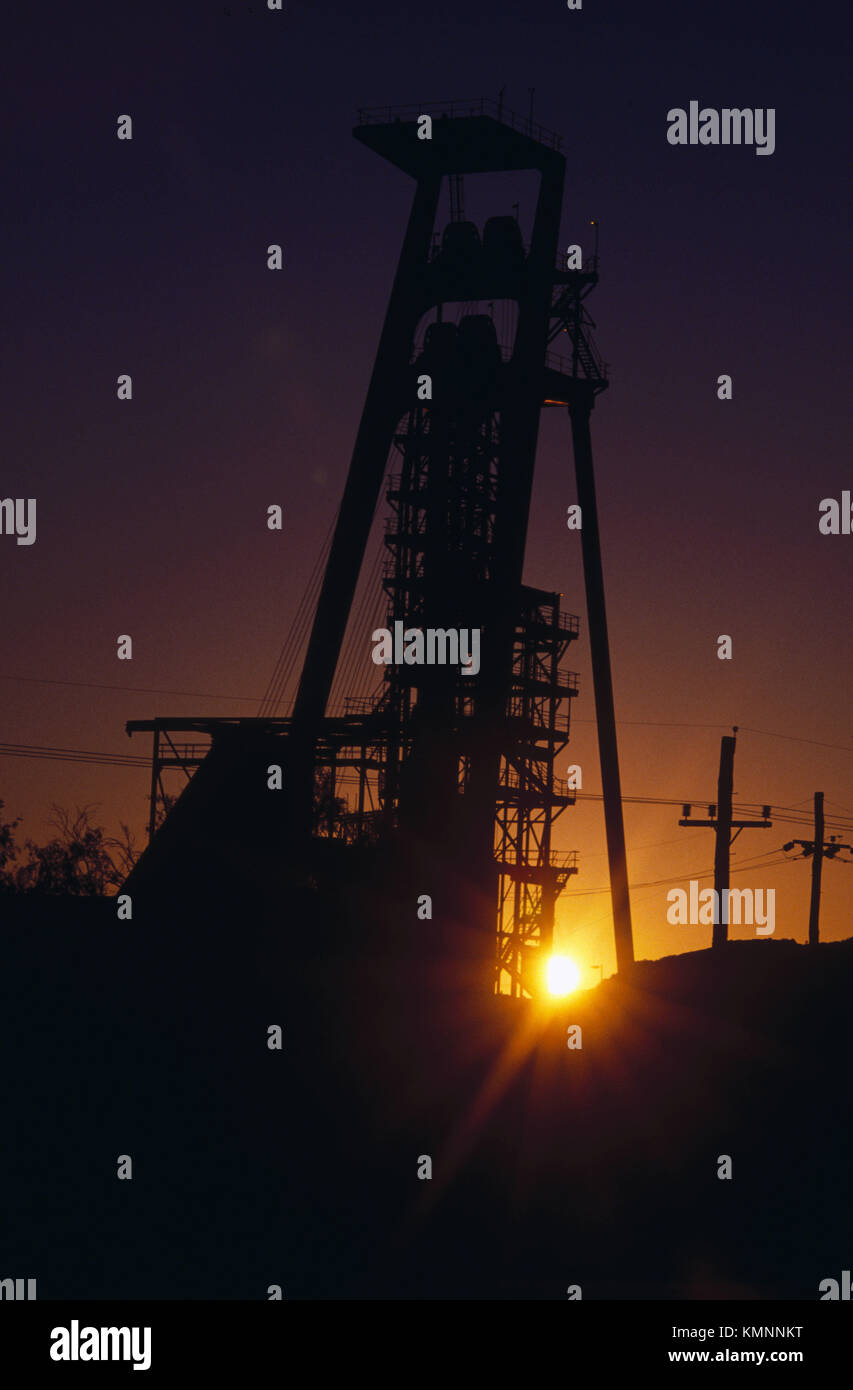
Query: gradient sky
point(148, 257)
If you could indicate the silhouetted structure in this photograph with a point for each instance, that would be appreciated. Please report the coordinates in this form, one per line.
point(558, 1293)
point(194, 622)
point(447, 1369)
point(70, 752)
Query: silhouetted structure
point(451, 773)
point(819, 849)
point(720, 820)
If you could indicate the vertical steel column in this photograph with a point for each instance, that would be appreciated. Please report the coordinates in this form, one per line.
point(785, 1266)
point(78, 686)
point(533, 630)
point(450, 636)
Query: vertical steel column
point(382, 409)
point(580, 407)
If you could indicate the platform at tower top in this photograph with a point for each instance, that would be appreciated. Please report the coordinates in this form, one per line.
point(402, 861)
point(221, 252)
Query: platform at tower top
point(468, 136)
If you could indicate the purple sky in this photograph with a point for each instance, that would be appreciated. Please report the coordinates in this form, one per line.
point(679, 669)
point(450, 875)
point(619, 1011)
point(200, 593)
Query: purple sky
point(148, 257)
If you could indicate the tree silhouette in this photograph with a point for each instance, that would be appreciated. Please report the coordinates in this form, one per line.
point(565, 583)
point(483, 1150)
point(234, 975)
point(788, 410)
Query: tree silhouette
point(327, 809)
point(8, 848)
point(82, 860)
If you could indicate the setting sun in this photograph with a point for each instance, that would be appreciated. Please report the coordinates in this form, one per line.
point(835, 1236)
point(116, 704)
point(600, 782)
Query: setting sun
point(562, 975)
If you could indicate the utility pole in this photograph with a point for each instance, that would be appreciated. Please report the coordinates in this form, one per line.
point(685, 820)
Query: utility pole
point(155, 775)
point(725, 783)
point(820, 850)
point(720, 820)
point(817, 866)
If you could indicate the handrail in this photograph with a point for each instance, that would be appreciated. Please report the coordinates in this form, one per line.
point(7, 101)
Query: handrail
point(561, 859)
point(589, 267)
point(566, 365)
point(512, 780)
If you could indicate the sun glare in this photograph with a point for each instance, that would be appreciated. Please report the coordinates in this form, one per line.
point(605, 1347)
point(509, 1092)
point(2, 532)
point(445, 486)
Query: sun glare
point(562, 976)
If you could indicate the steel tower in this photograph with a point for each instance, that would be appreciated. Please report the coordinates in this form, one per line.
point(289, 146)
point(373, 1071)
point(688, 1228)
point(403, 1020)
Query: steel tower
point(454, 772)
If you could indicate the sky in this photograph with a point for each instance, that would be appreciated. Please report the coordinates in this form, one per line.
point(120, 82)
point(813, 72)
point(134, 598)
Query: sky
point(149, 257)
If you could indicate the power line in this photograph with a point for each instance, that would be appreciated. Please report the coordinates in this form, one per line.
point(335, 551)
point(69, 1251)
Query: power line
point(73, 755)
point(299, 629)
point(743, 808)
point(654, 723)
point(660, 882)
point(637, 849)
point(137, 760)
point(255, 699)
point(764, 733)
point(792, 738)
point(134, 689)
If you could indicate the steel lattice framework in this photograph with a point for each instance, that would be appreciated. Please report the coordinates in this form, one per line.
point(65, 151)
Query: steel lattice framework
point(460, 767)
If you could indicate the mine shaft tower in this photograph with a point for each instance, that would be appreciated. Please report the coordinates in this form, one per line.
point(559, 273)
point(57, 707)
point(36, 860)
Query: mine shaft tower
point(455, 769)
